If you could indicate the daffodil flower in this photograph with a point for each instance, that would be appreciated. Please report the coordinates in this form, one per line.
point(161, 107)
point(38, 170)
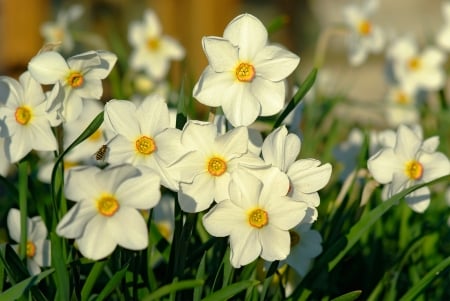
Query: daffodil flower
point(416, 70)
point(411, 161)
point(79, 78)
point(205, 171)
point(365, 36)
point(106, 213)
point(38, 246)
point(24, 121)
point(246, 75)
point(257, 217)
point(152, 51)
point(143, 136)
point(58, 31)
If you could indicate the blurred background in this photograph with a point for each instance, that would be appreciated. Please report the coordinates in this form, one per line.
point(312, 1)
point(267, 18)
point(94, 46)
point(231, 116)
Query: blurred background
point(189, 20)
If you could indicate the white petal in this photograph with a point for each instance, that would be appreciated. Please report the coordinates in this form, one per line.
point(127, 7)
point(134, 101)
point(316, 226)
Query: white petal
point(419, 200)
point(141, 192)
point(284, 213)
point(169, 145)
point(271, 95)
point(153, 115)
point(43, 253)
point(13, 222)
point(435, 166)
point(242, 107)
point(96, 242)
point(275, 63)
point(81, 177)
point(222, 55)
point(197, 196)
point(223, 218)
point(120, 118)
point(245, 189)
point(128, 229)
point(73, 223)
point(48, 67)
point(245, 246)
point(309, 179)
point(381, 165)
point(211, 87)
point(275, 243)
point(199, 136)
point(233, 143)
point(247, 32)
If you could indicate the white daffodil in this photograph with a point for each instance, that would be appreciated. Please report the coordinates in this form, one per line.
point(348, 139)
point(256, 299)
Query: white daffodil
point(246, 75)
point(257, 217)
point(306, 176)
point(106, 213)
point(143, 136)
point(306, 244)
point(58, 31)
point(411, 161)
point(152, 51)
point(38, 246)
point(401, 106)
point(416, 70)
point(205, 172)
point(5, 165)
point(80, 78)
point(365, 36)
point(24, 121)
point(443, 35)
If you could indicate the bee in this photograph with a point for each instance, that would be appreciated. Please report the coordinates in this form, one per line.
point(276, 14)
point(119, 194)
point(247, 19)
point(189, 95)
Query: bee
point(100, 154)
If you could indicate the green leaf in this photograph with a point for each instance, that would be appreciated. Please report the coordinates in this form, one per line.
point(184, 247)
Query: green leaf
point(61, 275)
point(227, 292)
point(366, 222)
point(112, 283)
point(422, 284)
point(173, 287)
point(91, 128)
point(351, 296)
point(20, 288)
point(301, 92)
point(200, 276)
point(95, 272)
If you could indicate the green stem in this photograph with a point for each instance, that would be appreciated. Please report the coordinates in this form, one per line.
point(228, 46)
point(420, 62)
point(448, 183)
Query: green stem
point(443, 99)
point(23, 206)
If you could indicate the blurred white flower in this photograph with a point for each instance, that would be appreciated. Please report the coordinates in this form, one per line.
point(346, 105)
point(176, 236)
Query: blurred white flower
point(205, 172)
point(106, 213)
point(306, 244)
point(365, 36)
point(58, 31)
point(257, 217)
point(246, 75)
point(415, 70)
point(24, 121)
point(79, 77)
point(38, 246)
point(443, 35)
point(143, 136)
point(401, 106)
point(152, 51)
point(411, 161)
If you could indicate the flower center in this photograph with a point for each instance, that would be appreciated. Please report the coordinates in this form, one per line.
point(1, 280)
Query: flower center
point(258, 218)
point(365, 27)
point(414, 170)
point(414, 63)
point(402, 98)
point(95, 136)
point(31, 249)
point(145, 145)
point(153, 44)
point(75, 79)
point(107, 205)
point(23, 115)
point(217, 166)
point(245, 72)
point(295, 238)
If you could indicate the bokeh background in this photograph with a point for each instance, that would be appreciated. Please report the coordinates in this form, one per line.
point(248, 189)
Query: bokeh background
point(190, 20)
